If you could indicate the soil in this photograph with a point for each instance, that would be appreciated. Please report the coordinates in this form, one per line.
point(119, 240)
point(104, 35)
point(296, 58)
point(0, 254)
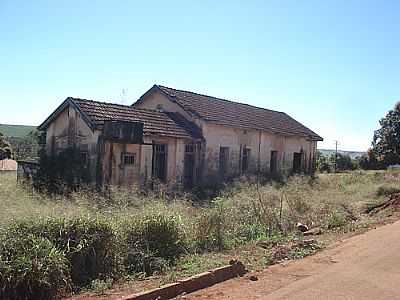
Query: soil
point(361, 267)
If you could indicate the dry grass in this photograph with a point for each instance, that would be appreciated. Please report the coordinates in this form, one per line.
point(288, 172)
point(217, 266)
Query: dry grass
point(230, 225)
point(299, 200)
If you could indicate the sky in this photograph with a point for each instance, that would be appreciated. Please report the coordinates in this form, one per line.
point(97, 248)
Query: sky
point(332, 65)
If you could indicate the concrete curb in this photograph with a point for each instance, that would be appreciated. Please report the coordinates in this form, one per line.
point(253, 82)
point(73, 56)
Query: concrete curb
point(191, 284)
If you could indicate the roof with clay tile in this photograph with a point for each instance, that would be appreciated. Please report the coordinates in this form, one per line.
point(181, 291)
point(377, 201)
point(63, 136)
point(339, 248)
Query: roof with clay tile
point(234, 114)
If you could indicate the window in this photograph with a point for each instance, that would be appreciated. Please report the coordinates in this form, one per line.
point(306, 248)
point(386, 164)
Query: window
point(160, 161)
point(84, 157)
point(128, 158)
point(223, 160)
point(189, 165)
point(245, 160)
point(297, 162)
point(273, 164)
point(189, 148)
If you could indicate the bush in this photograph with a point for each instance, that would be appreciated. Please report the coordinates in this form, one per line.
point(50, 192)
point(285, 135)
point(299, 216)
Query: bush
point(336, 220)
point(100, 286)
point(153, 241)
point(32, 267)
point(62, 172)
point(387, 190)
point(89, 245)
point(211, 229)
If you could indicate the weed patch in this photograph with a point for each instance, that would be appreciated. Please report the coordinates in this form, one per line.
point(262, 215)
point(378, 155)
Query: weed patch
point(88, 240)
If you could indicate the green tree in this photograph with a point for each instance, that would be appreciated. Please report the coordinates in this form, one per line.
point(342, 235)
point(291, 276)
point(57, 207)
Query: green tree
point(5, 147)
point(370, 162)
point(386, 142)
point(343, 162)
point(323, 163)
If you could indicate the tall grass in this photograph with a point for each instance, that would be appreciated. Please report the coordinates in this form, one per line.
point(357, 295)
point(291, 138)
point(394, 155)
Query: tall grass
point(150, 232)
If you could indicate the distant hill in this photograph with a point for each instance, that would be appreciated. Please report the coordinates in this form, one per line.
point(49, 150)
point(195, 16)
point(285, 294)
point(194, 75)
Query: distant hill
point(24, 146)
point(352, 154)
point(17, 131)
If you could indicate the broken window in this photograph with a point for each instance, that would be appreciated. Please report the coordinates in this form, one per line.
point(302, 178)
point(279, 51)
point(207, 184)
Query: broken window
point(128, 158)
point(159, 169)
point(273, 164)
point(245, 160)
point(223, 160)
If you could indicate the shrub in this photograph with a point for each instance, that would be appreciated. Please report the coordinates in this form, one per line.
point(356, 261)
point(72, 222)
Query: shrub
point(249, 232)
point(336, 220)
point(32, 267)
point(62, 172)
point(89, 245)
point(387, 190)
point(153, 241)
point(100, 286)
point(211, 229)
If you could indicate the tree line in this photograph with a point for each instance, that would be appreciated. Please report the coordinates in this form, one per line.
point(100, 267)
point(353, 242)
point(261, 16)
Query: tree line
point(384, 151)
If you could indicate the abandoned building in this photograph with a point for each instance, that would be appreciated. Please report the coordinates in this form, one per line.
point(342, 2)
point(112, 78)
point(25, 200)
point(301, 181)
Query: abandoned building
point(179, 137)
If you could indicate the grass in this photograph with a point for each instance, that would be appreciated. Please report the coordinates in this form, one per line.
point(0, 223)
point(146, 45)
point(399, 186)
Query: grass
point(233, 225)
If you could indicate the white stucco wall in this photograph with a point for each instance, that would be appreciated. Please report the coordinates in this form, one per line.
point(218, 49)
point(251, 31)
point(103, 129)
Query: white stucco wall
point(235, 139)
point(217, 136)
point(154, 100)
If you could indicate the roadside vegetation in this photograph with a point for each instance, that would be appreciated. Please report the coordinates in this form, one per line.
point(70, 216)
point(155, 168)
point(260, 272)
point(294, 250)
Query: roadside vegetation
point(53, 246)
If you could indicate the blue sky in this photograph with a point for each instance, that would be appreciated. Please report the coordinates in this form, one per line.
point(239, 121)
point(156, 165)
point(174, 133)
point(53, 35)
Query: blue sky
point(332, 65)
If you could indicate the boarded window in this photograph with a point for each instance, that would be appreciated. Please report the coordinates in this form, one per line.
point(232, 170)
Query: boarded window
point(245, 160)
point(160, 162)
point(273, 164)
point(223, 160)
point(128, 158)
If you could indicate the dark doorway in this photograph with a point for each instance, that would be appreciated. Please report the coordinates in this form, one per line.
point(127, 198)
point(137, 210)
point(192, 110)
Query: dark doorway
point(296, 162)
point(189, 166)
point(160, 162)
point(273, 164)
point(245, 160)
point(223, 161)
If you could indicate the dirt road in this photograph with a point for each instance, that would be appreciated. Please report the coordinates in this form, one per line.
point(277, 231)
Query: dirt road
point(362, 267)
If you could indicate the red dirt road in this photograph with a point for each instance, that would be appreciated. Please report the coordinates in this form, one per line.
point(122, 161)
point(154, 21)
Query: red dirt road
point(366, 266)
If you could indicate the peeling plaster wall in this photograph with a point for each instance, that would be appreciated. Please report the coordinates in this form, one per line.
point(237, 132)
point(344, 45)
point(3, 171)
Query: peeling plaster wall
point(116, 173)
point(157, 98)
point(217, 136)
point(235, 139)
point(67, 130)
point(114, 170)
point(152, 102)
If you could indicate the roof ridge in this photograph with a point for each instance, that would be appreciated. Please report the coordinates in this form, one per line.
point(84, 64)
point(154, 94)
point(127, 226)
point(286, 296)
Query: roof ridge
point(221, 99)
point(115, 104)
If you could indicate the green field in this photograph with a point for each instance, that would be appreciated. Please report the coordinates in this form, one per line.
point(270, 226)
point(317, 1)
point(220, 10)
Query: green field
point(18, 131)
